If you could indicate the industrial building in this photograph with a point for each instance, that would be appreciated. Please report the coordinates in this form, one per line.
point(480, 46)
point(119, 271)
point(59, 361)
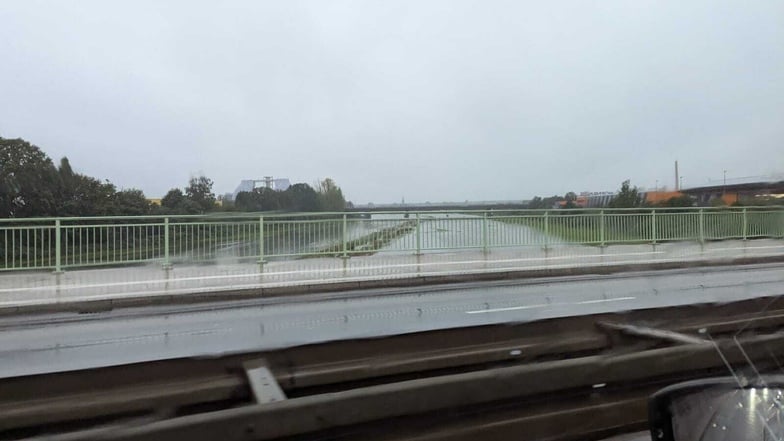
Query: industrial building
point(277, 184)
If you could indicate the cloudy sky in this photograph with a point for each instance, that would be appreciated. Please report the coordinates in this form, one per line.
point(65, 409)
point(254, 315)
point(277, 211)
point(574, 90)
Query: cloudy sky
point(428, 100)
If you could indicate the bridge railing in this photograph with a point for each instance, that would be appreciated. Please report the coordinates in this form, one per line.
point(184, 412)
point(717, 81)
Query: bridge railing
point(59, 244)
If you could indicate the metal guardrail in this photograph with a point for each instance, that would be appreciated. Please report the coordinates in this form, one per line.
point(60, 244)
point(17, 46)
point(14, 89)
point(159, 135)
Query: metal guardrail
point(68, 243)
point(558, 376)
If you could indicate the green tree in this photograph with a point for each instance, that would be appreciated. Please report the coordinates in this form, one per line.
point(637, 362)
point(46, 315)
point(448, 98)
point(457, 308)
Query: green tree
point(175, 202)
point(66, 173)
point(130, 202)
point(86, 196)
point(570, 198)
point(28, 180)
point(30, 186)
point(627, 197)
point(173, 199)
point(539, 203)
point(269, 199)
point(330, 196)
point(260, 199)
point(199, 191)
point(80, 195)
point(536, 203)
point(302, 197)
point(247, 201)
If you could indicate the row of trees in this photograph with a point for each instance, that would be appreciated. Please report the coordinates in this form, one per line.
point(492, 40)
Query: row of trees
point(627, 197)
point(327, 196)
point(630, 197)
point(198, 198)
point(32, 186)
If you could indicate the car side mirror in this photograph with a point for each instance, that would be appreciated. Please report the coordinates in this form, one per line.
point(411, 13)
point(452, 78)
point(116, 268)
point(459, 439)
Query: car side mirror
point(719, 409)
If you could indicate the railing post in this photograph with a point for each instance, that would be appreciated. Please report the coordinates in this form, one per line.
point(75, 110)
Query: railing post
point(546, 230)
point(653, 226)
point(484, 232)
point(745, 224)
point(261, 260)
point(345, 236)
point(166, 260)
point(601, 228)
point(702, 227)
point(58, 268)
point(418, 236)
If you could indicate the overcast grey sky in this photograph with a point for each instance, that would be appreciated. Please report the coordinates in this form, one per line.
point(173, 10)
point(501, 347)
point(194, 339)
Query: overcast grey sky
point(427, 100)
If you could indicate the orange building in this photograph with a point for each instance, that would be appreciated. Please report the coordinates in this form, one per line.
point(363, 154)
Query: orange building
point(657, 197)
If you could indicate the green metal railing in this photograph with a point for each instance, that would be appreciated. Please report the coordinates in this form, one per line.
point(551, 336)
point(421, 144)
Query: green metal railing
point(69, 243)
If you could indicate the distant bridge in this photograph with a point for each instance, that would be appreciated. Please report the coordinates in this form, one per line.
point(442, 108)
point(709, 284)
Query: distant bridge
point(452, 206)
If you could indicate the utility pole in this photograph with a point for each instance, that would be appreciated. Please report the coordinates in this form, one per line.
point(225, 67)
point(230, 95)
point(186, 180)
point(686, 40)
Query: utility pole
point(677, 176)
point(724, 188)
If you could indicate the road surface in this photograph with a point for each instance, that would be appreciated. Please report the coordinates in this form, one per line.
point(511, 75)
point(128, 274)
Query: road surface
point(60, 342)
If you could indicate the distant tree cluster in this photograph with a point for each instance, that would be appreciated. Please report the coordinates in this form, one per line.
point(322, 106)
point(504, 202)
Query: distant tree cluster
point(630, 197)
point(627, 197)
point(32, 186)
point(327, 196)
point(540, 203)
point(198, 198)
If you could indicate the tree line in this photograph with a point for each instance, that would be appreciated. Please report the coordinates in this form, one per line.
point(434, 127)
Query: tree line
point(626, 197)
point(31, 185)
point(327, 196)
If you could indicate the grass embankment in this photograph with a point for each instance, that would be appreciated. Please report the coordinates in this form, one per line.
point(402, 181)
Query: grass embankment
point(586, 229)
point(644, 227)
point(368, 244)
point(115, 245)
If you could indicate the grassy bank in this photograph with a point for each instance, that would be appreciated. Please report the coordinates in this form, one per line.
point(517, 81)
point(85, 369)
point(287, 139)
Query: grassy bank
point(369, 243)
point(645, 227)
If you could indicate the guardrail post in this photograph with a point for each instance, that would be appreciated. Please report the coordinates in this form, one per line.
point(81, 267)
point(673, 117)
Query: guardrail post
point(484, 232)
point(345, 236)
point(418, 236)
point(653, 226)
point(166, 260)
point(745, 224)
point(702, 227)
point(58, 268)
point(546, 230)
point(601, 229)
point(261, 260)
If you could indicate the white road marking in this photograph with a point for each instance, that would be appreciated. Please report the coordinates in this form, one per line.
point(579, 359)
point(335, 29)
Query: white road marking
point(543, 305)
point(513, 308)
point(617, 299)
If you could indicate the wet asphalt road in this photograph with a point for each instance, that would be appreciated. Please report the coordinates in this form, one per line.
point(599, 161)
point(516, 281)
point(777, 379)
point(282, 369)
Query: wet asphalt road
point(59, 342)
